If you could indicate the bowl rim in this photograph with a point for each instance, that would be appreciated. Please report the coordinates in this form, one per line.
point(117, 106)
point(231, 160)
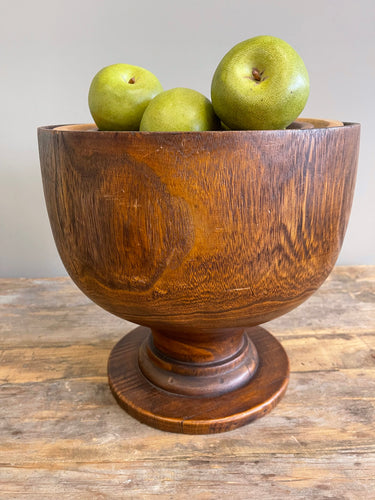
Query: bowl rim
point(91, 128)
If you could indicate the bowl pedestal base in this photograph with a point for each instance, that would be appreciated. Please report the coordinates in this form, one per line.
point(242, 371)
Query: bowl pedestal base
point(198, 389)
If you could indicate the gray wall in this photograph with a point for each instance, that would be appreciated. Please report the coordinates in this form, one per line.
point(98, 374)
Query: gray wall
point(50, 50)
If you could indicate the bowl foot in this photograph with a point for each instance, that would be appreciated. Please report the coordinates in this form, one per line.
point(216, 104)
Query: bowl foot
point(198, 370)
point(196, 413)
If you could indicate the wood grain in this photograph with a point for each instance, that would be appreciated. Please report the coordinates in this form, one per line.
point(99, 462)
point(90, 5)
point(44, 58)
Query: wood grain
point(199, 236)
point(188, 230)
point(204, 406)
point(63, 435)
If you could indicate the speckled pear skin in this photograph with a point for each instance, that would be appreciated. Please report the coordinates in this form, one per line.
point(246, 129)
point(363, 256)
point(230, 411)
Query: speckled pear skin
point(179, 110)
point(261, 83)
point(119, 94)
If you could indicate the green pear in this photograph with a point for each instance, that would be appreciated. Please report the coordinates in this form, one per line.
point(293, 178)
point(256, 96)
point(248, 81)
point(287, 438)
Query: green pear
point(179, 110)
point(119, 94)
point(261, 83)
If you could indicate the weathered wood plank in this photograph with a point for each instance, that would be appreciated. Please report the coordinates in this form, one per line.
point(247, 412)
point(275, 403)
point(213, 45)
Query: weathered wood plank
point(61, 432)
point(287, 477)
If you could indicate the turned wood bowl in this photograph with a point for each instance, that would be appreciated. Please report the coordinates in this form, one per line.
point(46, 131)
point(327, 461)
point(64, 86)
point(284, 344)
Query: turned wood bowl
point(199, 237)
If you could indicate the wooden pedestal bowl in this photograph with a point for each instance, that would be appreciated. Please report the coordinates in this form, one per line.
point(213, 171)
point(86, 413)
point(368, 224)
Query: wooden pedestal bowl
point(199, 238)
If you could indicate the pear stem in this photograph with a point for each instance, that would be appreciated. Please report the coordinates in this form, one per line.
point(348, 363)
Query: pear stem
point(256, 75)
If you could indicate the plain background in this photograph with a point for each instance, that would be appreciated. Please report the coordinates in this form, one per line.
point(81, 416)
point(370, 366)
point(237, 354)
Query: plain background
point(50, 51)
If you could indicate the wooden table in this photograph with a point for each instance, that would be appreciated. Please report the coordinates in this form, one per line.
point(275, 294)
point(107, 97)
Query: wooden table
point(63, 435)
